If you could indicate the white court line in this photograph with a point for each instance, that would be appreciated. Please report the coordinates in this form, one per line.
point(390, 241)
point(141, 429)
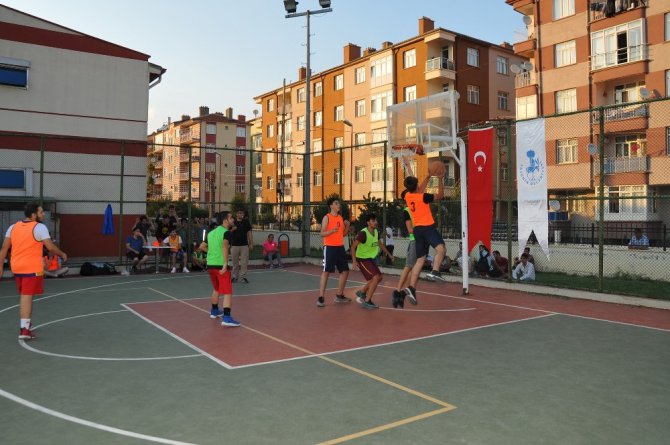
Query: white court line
point(176, 337)
point(25, 345)
point(88, 423)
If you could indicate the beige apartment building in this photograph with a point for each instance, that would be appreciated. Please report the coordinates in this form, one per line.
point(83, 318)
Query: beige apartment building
point(348, 109)
point(586, 54)
point(218, 159)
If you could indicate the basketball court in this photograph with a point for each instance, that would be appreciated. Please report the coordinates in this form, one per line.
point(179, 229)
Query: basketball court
point(123, 360)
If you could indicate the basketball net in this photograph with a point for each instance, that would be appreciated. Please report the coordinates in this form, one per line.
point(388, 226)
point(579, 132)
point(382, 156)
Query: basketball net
point(405, 152)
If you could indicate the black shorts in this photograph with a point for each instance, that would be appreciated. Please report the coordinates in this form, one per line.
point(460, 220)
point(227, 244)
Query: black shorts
point(335, 256)
point(426, 237)
point(133, 255)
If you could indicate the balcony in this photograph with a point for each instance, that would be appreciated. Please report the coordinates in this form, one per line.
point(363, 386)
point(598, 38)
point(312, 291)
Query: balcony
point(440, 68)
point(183, 158)
point(158, 165)
point(623, 118)
point(597, 8)
point(621, 56)
point(287, 141)
point(259, 170)
point(378, 186)
point(526, 48)
point(158, 180)
point(525, 79)
point(626, 165)
point(189, 135)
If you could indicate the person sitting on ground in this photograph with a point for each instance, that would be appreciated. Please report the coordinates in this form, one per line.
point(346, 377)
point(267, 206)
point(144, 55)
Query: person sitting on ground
point(524, 271)
point(638, 241)
point(52, 265)
point(271, 252)
point(198, 260)
point(531, 258)
point(458, 261)
point(486, 264)
point(501, 261)
point(135, 250)
point(176, 252)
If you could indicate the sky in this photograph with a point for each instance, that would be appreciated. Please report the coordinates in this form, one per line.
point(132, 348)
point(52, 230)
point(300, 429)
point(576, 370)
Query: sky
point(223, 53)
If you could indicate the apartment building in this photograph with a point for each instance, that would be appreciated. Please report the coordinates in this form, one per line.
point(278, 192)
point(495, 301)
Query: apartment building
point(214, 145)
point(586, 54)
point(348, 109)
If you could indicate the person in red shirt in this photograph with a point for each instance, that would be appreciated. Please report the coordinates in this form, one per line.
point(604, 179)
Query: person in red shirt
point(27, 239)
point(333, 229)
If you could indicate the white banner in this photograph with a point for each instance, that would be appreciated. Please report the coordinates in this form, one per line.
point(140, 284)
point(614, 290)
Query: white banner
point(531, 159)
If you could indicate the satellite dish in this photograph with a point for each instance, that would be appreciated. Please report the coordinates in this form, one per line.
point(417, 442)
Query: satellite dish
point(527, 66)
point(554, 205)
point(592, 148)
point(527, 20)
point(644, 93)
point(515, 69)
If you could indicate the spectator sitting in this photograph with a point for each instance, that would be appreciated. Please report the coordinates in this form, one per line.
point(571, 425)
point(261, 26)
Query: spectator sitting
point(198, 260)
point(531, 258)
point(163, 228)
point(135, 250)
point(639, 241)
point(501, 261)
point(524, 271)
point(52, 265)
point(459, 256)
point(486, 265)
point(176, 252)
point(271, 252)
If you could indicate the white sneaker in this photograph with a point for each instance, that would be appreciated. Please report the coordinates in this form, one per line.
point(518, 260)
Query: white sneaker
point(174, 270)
point(186, 270)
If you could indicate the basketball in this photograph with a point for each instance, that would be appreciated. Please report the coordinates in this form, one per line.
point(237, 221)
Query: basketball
point(437, 168)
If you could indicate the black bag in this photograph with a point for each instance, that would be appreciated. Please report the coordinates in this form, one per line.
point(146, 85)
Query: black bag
point(89, 269)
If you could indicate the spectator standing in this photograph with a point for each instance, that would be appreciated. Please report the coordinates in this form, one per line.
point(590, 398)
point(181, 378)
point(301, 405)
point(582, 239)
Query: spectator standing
point(271, 252)
point(27, 238)
point(242, 244)
point(638, 241)
point(524, 271)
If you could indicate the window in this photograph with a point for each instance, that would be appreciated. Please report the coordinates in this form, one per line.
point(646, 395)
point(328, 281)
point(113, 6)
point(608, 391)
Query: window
point(318, 89)
point(629, 92)
point(503, 100)
point(359, 139)
point(378, 139)
point(566, 101)
point(501, 132)
point(377, 172)
point(298, 180)
point(504, 171)
point(667, 83)
point(412, 167)
point(473, 94)
point(270, 183)
point(378, 104)
point(211, 128)
point(526, 107)
point(239, 169)
point(502, 65)
point(563, 8)
point(339, 82)
point(300, 123)
point(339, 113)
point(631, 146)
point(301, 95)
point(241, 132)
point(381, 71)
point(318, 178)
point(271, 104)
point(622, 200)
point(360, 108)
point(317, 147)
point(410, 58)
point(445, 87)
point(617, 45)
point(360, 75)
point(473, 57)
point(337, 176)
point(565, 53)
point(239, 188)
point(566, 151)
point(241, 151)
point(14, 72)
point(410, 93)
point(257, 142)
point(270, 132)
point(318, 118)
point(359, 175)
point(271, 157)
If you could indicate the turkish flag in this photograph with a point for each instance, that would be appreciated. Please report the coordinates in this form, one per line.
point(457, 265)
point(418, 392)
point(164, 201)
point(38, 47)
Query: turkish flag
point(480, 186)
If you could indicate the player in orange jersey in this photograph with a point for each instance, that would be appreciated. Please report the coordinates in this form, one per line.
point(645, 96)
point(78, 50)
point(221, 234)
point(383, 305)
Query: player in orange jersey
point(333, 229)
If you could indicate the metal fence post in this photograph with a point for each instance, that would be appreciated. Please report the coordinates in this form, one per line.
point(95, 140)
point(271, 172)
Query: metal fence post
point(189, 192)
point(510, 192)
point(385, 202)
point(42, 147)
point(601, 194)
point(123, 159)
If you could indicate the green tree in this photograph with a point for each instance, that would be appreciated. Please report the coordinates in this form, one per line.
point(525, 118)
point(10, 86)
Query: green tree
point(267, 215)
point(321, 209)
point(238, 202)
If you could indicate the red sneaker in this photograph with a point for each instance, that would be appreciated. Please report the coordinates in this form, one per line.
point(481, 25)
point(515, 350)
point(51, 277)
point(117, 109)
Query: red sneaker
point(26, 334)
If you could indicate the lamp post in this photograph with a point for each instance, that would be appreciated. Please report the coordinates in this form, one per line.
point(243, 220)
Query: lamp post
point(290, 6)
point(351, 157)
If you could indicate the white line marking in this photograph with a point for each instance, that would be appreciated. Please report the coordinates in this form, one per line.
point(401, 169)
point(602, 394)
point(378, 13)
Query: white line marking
point(190, 345)
point(25, 345)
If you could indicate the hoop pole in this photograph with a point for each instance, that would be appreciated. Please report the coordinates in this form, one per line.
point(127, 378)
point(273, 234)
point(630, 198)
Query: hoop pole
point(464, 216)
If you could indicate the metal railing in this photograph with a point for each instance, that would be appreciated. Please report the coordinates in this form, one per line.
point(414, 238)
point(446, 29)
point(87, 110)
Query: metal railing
point(624, 165)
point(524, 79)
point(619, 56)
point(439, 63)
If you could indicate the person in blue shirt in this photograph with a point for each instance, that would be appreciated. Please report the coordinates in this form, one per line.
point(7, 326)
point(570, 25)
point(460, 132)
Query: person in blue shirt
point(135, 250)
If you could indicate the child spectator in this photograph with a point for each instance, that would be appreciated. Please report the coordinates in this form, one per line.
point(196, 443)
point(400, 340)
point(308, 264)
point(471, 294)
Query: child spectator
point(176, 252)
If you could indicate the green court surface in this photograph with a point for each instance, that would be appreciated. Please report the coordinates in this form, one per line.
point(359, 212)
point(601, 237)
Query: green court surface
point(554, 371)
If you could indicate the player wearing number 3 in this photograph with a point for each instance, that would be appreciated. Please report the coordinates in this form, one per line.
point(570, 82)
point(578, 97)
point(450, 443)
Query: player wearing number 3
point(425, 232)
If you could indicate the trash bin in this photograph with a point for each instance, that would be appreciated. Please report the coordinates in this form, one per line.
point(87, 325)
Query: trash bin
point(557, 236)
point(283, 245)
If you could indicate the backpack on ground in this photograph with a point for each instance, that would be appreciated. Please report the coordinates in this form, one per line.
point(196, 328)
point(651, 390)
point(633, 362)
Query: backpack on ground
point(89, 269)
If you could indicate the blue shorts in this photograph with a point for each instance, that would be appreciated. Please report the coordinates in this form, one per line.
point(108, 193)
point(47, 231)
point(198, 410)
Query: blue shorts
point(335, 256)
point(426, 237)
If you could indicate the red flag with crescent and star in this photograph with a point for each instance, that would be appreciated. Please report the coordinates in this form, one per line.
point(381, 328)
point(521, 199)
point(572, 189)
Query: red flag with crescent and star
point(480, 186)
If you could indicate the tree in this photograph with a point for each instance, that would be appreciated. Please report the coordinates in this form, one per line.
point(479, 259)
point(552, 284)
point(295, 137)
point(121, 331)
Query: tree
point(322, 209)
point(238, 203)
point(267, 215)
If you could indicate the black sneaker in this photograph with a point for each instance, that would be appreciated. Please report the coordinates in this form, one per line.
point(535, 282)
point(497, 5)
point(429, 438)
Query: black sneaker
point(396, 298)
point(435, 275)
point(360, 296)
point(233, 280)
point(320, 302)
point(411, 294)
point(342, 299)
point(245, 280)
point(369, 305)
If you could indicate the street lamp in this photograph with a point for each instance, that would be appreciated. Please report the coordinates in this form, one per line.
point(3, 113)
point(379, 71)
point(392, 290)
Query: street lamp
point(351, 157)
point(290, 6)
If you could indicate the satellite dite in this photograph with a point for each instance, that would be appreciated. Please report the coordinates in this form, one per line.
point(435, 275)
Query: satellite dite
point(429, 125)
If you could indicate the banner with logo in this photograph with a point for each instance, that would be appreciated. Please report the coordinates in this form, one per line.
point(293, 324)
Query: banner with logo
point(531, 161)
point(480, 186)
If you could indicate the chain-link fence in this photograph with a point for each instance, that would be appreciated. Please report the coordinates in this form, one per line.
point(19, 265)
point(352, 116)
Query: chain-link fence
point(608, 173)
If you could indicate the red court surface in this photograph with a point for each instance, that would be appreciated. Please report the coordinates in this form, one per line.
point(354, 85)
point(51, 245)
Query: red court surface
point(284, 326)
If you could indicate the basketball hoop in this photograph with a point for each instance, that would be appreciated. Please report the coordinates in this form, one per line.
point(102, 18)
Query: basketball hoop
point(405, 152)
